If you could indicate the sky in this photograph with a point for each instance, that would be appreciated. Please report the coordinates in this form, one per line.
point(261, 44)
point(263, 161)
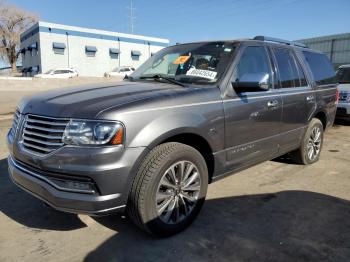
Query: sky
point(192, 20)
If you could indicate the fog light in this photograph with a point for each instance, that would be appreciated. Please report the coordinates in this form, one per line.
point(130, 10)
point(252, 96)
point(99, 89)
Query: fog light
point(74, 186)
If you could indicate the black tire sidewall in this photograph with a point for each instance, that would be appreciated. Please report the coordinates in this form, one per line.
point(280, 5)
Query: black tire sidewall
point(154, 223)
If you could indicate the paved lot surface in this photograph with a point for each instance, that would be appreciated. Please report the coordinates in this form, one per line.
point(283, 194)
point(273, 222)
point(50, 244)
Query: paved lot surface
point(275, 211)
point(11, 91)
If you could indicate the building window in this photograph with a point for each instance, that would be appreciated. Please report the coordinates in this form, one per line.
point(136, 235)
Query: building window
point(23, 52)
point(90, 51)
point(135, 55)
point(114, 53)
point(33, 49)
point(58, 48)
point(35, 69)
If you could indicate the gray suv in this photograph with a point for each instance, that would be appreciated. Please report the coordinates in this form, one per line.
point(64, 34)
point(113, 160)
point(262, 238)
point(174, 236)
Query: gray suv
point(190, 115)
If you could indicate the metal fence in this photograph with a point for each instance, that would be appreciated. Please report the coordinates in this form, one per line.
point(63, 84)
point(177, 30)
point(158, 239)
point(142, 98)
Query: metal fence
point(337, 47)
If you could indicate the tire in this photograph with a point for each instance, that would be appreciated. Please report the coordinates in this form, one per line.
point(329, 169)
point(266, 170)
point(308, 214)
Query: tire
point(301, 155)
point(152, 182)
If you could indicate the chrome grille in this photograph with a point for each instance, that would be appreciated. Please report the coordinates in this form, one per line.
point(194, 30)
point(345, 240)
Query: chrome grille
point(43, 135)
point(15, 122)
point(343, 96)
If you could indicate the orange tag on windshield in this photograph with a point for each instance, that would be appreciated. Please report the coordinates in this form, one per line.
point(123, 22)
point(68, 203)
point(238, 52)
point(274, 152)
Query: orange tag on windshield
point(181, 59)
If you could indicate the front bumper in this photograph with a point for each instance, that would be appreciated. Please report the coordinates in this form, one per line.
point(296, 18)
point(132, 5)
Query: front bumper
point(343, 110)
point(37, 185)
point(109, 172)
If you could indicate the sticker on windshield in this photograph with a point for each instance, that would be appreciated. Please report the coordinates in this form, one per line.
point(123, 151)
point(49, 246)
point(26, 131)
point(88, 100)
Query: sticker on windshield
point(181, 60)
point(202, 73)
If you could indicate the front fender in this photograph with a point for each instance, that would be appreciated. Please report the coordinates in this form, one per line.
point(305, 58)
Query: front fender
point(160, 129)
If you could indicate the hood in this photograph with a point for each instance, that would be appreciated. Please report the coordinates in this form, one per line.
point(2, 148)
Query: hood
point(89, 101)
point(344, 87)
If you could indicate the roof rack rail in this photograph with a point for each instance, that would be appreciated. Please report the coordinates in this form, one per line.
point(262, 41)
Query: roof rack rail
point(277, 40)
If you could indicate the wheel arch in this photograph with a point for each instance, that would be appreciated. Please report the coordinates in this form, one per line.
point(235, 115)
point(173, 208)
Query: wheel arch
point(196, 141)
point(322, 116)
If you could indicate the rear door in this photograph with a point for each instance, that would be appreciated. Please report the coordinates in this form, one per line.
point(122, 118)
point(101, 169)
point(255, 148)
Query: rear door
point(252, 119)
point(298, 98)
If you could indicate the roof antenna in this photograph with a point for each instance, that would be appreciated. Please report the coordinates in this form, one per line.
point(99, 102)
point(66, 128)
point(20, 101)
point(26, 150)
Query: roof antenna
point(131, 16)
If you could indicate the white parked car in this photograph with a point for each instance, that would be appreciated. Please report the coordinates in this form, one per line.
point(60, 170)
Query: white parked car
point(343, 74)
point(59, 73)
point(120, 71)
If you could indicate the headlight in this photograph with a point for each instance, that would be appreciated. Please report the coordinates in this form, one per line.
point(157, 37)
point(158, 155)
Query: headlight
point(88, 132)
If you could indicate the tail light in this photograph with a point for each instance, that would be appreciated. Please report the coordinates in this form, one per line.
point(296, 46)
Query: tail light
point(337, 96)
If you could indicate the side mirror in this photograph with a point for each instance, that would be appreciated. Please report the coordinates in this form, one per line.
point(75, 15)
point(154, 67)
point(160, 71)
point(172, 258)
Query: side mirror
point(252, 82)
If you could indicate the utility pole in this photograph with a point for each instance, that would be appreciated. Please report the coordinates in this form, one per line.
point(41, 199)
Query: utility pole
point(68, 49)
point(131, 16)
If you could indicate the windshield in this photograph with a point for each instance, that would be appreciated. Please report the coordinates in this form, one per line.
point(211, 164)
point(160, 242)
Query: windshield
point(343, 75)
point(203, 63)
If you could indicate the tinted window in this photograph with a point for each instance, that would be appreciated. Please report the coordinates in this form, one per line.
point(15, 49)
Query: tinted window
point(90, 53)
point(321, 68)
point(135, 57)
point(301, 74)
point(58, 51)
point(343, 75)
point(288, 72)
point(253, 60)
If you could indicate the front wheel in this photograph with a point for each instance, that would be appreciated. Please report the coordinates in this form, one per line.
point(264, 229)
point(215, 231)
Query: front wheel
point(169, 189)
point(311, 145)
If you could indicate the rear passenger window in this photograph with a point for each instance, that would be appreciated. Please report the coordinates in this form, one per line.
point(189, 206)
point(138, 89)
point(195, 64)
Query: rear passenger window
point(321, 68)
point(287, 68)
point(301, 74)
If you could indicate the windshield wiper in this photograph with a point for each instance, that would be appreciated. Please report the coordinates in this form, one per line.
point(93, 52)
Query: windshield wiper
point(160, 77)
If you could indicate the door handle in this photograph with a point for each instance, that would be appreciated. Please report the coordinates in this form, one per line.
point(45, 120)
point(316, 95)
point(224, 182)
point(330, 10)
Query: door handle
point(310, 98)
point(272, 104)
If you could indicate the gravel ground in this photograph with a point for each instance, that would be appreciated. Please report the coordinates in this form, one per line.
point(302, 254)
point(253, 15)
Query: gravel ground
point(275, 211)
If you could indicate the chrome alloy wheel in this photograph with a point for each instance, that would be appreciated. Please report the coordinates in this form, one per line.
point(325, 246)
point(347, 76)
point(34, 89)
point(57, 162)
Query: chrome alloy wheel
point(314, 143)
point(178, 192)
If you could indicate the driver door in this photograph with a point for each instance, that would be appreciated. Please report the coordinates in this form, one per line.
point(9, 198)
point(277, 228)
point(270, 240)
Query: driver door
point(252, 118)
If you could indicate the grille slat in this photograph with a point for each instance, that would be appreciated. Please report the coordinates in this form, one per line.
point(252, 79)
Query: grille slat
point(43, 135)
point(15, 120)
point(34, 121)
point(26, 138)
point(37, 147)
point(44, 129)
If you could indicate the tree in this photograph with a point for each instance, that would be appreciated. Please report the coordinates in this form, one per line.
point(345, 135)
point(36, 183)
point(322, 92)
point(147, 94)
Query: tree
point(13, 21)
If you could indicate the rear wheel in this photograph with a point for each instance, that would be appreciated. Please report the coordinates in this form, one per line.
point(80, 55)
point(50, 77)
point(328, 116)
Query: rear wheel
point(169, 189)
point(310, 148)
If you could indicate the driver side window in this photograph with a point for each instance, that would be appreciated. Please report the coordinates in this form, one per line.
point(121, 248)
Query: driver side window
point(253, 61)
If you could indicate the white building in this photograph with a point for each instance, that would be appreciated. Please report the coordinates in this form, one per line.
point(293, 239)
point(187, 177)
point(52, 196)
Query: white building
point(91, 52)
